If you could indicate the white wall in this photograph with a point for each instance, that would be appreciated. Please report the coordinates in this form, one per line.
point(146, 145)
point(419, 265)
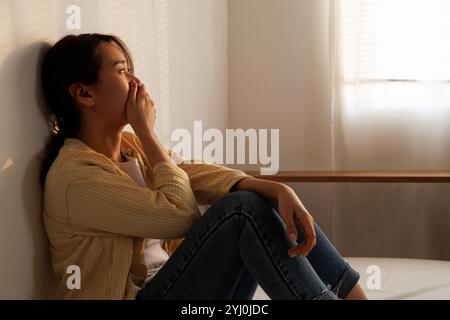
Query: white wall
point(279, 78)
point(198, 63)
point(179, 49)
point(278, 62)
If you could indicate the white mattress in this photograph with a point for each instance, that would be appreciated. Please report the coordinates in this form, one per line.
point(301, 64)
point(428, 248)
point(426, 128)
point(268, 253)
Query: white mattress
point(400, 278)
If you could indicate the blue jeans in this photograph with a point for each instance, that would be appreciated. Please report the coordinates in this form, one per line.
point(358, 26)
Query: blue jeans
point(241, 242)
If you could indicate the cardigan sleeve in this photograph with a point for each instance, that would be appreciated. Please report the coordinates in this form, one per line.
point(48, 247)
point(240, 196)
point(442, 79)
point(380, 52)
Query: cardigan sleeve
point(209, 182)
point(105, 202)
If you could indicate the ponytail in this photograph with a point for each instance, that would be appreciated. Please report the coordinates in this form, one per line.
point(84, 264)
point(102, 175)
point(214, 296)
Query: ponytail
point(54, 143)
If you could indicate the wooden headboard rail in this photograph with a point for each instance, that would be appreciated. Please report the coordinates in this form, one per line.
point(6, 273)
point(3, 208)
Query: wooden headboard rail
point(357, 176)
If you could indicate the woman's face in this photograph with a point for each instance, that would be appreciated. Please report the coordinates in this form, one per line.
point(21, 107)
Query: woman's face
point(111, 91)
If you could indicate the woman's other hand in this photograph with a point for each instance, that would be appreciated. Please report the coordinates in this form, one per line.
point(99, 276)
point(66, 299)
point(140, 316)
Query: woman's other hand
point(292, 210)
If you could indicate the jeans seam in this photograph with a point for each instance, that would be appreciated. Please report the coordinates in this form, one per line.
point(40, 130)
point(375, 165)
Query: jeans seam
point(323, 293)
point(339, 284)
point(254, 225)
point(276, 264)
point(342, 279)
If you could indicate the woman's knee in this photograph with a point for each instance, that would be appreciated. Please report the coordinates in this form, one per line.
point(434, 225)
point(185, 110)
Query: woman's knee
point(247, 201)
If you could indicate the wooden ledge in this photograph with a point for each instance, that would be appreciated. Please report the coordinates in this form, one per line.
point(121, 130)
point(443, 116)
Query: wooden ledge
point(357, 176)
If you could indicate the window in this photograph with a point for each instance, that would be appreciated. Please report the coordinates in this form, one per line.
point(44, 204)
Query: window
point(392, 53)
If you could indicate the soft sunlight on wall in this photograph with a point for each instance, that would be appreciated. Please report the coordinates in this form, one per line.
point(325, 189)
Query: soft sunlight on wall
point(144, 28)
point(27, 27)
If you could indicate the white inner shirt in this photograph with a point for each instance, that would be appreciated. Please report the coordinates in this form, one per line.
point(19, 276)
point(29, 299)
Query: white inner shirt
point(154, 255)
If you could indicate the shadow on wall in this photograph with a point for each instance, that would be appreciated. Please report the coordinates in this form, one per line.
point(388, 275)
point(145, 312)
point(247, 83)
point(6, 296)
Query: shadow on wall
point(26, 266)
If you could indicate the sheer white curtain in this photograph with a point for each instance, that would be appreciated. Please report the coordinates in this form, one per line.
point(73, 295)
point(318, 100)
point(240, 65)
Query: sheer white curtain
point(390, 62)
point(391, 84)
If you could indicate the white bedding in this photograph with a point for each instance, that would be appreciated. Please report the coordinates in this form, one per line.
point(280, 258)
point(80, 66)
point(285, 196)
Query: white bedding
point(400, 278)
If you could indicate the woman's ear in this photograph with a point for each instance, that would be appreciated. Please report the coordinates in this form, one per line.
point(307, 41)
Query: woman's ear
point(82, 94)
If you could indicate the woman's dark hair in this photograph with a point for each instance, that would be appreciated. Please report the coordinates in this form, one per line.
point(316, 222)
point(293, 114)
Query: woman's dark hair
point(72, 59)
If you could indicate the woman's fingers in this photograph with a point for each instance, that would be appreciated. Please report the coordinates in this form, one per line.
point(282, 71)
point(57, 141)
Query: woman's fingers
point(307, 223)
point(143, 92)
point(132, 93)
point(309, 243)
point(141, 112)
point(288, 217)
point(291, 209)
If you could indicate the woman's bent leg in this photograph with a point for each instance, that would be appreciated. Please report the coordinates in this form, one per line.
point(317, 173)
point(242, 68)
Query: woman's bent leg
point(245, 288)
point(240, 232)
point(329, 264)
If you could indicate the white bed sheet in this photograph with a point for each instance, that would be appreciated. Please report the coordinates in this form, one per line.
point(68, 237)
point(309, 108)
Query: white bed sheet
point(402, 279)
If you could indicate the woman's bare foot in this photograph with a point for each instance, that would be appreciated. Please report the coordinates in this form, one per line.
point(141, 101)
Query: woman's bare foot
point(356, 293)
